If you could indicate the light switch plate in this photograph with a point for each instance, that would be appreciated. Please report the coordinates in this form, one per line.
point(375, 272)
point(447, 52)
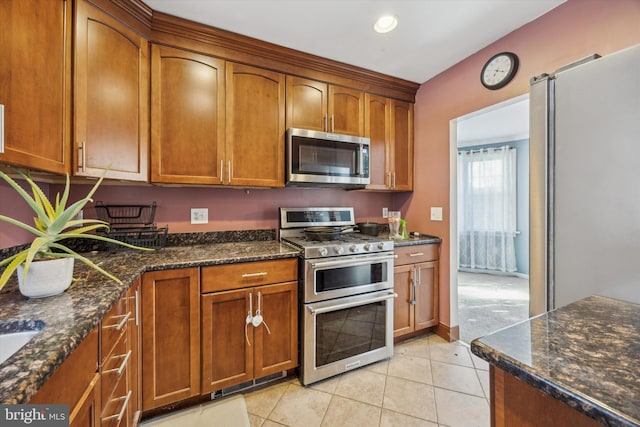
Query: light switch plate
point(436, 214)
point(385, 212)
point(199, 215)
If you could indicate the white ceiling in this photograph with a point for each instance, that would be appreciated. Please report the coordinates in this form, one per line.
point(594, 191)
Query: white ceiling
point(504, 122)
point(431, 36)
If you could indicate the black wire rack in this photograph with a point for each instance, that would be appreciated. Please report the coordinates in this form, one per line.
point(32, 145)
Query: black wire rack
point(132, 224)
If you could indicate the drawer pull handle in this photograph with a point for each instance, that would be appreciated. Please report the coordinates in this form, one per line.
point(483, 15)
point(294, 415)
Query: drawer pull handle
point(122, 365)
point(247, 275)
point(124, 407)
point(119, 326)
point(417, 254)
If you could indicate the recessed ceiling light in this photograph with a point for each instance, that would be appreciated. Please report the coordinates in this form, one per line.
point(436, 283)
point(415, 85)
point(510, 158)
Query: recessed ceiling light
point(385, 24)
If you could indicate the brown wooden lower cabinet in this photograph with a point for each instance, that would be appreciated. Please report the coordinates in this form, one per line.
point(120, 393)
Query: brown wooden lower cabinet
point(416, 283)
point(515, 403)
point(99, 380)
point(233, 351)
point(170, 336)
point(120, 362)
point(134, 378)
point(76, 383)
point(87, 412)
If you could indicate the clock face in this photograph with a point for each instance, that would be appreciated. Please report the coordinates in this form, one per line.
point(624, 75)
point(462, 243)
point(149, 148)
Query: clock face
point(499, 70)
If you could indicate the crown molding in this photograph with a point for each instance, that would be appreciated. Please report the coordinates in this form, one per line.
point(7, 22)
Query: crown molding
point(173, 31)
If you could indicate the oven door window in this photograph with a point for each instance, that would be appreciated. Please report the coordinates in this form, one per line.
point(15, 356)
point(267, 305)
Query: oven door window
point(350, 332)
point(351, 276)
point(327, 158)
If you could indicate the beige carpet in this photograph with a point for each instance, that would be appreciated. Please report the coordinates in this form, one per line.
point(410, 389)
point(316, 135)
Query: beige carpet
point(229, 412)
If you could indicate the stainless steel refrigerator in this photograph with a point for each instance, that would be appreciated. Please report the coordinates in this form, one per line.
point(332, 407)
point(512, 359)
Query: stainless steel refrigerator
point(585, 181)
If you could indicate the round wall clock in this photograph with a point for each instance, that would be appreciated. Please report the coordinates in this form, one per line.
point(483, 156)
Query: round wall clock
point(499, 70)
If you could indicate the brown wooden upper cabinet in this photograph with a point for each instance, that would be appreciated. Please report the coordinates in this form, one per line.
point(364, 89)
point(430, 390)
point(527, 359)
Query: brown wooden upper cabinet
point(187, 117)
point(111, 97)
point(378, 130)
point(254, 146)
point(318, 106)
point(389, 126)
point(402, 141)
point(35, 83)
point(215, 122)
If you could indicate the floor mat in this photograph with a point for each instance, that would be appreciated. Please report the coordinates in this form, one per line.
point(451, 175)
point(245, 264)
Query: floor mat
point(229, 412)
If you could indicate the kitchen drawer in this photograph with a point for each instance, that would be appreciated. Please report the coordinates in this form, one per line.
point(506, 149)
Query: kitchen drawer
point(114, 406)
point(113, 325)
point(248, 274)
point(114, 368)
point(415, 254)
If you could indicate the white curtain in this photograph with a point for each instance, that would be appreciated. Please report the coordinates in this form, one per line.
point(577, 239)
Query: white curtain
point(487, 209)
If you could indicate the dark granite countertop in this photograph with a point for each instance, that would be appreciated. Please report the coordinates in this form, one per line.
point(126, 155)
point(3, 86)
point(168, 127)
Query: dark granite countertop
point(69, 317)
point(586, 354)
point(419, 239)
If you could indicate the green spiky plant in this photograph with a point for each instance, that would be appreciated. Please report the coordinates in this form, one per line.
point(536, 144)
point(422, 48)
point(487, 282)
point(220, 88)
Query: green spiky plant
point(54, 223)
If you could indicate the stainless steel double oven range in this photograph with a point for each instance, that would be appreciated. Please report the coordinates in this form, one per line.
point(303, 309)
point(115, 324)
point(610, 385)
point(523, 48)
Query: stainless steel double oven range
point(346, 291)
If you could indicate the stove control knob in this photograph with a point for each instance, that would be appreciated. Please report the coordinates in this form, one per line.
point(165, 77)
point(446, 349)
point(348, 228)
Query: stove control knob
point(353, 248)
point(339, 250)
point(380, 245)
point(323, 251)
point(367, 246)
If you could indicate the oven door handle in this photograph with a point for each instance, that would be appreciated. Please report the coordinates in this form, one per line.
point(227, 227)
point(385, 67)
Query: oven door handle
point(351, 261)
point(342, 306)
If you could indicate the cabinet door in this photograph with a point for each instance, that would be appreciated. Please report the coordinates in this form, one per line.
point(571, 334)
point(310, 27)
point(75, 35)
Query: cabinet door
point(111, 97)
point(69, 382)
point(306, 104)
point(170, 336)
point(346, 111)
point(255, 127)
point(87, 412)
point(35, 83)
point(378, 130)
point(187, 117)
point(276, 348)
point(227, 340)
point(403, 312)
point(426, 309)
point(402, 142)
point(134, 379)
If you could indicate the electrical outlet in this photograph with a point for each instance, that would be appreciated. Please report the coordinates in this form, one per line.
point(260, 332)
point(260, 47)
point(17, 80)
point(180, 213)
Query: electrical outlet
point(436, 214)
point(385, 212)
point(199, 215)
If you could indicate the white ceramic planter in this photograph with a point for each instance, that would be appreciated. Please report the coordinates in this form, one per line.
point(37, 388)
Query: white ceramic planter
point(46, 278)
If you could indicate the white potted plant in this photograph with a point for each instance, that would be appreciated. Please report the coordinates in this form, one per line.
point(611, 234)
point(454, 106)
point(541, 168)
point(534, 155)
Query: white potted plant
point(45, 268)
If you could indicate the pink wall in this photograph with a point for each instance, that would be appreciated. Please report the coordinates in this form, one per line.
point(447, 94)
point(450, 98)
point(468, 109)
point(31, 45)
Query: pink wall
point(572, 31)
point(14, 206)
point(229, 209)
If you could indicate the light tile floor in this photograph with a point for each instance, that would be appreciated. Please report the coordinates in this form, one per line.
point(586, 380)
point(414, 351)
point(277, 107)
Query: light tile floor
point(428, 382)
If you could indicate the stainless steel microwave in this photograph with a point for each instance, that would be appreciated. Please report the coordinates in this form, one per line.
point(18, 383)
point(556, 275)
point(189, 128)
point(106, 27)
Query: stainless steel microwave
point(322, 159)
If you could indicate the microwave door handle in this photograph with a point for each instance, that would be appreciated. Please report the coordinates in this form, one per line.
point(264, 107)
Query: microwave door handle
point(361, 160)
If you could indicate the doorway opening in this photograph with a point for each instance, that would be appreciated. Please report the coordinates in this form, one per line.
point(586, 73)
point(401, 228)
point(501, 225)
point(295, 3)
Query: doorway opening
point(490, 222)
